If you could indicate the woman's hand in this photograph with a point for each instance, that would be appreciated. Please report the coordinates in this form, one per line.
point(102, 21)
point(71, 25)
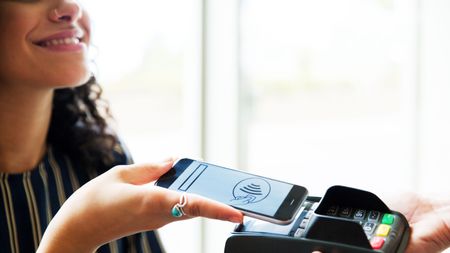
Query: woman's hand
point(429, 219)
point(120, 202)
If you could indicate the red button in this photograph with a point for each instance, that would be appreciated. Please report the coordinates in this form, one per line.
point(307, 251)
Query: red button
point(377, 242)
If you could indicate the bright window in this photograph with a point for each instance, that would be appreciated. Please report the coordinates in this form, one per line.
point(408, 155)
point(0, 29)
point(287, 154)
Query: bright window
point(329, 87)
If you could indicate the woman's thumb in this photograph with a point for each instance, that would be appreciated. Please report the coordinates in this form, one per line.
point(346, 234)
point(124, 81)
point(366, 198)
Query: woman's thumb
point(143, 173)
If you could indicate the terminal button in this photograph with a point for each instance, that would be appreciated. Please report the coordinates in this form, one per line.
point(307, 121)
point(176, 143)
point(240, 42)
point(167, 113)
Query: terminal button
point(299, 232)
point(383, 230)
point(373, 216)
point(345, 212)
point(369, 227)
point(359, 214)
point(377, 242)
point(332, 210)
point(387, 219)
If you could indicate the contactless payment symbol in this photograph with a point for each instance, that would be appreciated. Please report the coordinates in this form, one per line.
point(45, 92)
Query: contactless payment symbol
point(250, 190)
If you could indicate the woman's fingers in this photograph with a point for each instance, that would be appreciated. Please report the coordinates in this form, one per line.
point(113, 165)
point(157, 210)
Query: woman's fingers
point(195, 206)
point(199, 206)
point(142, 173)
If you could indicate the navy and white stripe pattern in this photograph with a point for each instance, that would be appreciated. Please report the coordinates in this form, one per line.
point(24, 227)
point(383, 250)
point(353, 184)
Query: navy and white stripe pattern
point(28, 201)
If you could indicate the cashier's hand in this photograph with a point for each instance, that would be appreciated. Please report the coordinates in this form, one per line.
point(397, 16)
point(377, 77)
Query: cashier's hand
point(429, 219)
point(120, 202)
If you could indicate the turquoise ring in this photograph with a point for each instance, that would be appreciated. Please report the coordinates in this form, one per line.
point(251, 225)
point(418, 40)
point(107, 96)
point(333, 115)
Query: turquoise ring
point(177, 209)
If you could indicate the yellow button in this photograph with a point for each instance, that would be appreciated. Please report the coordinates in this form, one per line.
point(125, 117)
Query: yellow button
point(383, 230)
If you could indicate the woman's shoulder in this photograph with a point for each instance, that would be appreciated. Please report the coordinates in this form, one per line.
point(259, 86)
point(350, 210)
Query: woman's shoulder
point(118, 155)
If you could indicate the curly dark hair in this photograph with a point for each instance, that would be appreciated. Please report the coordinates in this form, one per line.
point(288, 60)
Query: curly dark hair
point(79, 126)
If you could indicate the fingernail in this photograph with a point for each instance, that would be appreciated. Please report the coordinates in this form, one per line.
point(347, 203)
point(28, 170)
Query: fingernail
point(236, 219)
point(166, 163)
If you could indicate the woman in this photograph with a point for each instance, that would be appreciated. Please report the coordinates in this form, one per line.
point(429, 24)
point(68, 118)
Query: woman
point(54, 138)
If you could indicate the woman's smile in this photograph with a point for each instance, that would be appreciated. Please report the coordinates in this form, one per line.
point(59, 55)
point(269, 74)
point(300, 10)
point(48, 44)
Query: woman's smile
point(44, 39)
point(65, 41)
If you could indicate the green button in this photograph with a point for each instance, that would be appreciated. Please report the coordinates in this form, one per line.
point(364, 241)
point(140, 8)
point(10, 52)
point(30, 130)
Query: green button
point(388, 219)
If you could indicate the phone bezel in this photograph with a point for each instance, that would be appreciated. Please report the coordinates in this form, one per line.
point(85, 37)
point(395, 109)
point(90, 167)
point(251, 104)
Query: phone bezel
point(285, 213)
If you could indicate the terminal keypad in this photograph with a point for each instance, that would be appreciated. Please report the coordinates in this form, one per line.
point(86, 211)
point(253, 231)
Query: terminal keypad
point(376, 225)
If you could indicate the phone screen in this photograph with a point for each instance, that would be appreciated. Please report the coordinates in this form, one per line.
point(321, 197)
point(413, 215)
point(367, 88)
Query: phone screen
point(241, 190)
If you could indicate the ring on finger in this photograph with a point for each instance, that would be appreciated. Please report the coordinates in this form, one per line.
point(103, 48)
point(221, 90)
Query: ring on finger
point(177, 209)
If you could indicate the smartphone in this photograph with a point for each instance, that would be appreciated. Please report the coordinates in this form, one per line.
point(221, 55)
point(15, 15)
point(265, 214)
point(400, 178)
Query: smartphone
point(258, 197)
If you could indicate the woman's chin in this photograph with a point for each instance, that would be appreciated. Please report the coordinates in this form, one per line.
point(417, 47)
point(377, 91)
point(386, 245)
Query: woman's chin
point(72, 81)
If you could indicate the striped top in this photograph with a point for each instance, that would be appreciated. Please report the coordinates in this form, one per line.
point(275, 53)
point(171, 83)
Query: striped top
point(29, 200)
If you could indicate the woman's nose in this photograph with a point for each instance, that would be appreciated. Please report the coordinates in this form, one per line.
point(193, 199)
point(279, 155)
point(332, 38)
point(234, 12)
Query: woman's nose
point(66, 11)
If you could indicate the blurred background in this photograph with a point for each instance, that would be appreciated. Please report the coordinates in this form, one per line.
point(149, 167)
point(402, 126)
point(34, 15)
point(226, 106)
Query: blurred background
point(316, 93)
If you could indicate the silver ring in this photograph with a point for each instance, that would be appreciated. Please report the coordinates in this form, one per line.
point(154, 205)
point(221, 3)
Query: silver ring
point(177, 209)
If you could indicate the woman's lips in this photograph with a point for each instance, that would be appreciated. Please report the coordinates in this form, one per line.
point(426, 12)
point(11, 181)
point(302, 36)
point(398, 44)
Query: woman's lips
point(71, 40)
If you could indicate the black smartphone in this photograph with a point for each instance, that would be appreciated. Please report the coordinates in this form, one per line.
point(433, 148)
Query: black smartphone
point(259, 197)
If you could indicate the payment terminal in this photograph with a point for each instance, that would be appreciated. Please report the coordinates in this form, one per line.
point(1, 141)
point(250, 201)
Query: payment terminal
point(344, 220)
